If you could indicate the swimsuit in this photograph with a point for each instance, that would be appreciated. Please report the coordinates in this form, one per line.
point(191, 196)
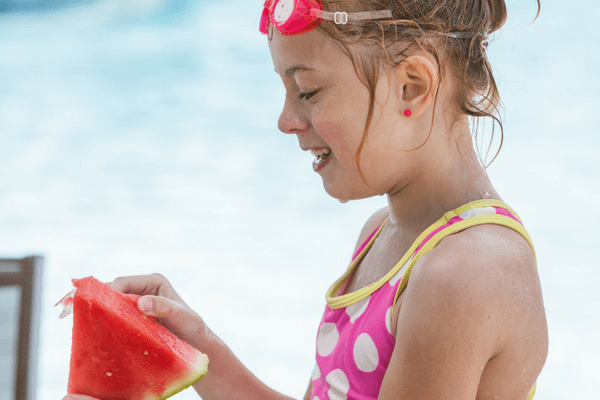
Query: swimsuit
point(354, 341)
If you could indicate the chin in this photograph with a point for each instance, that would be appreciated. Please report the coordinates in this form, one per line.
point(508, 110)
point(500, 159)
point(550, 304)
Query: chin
point(343, 194)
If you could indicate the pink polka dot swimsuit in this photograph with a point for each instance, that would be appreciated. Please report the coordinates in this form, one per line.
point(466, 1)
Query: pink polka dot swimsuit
point(354, 341)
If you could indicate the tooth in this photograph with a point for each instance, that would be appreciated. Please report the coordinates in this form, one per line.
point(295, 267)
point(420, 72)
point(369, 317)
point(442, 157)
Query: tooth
point(320, 152)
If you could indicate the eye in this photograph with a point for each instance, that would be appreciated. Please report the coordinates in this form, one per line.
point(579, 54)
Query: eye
point(307, 96)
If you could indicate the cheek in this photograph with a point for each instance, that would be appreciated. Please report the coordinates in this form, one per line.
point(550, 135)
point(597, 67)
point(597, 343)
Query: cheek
point(341, 129)
point(341, 137)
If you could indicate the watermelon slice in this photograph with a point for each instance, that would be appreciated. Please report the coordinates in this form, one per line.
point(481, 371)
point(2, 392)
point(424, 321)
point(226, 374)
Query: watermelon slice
point(120, 353)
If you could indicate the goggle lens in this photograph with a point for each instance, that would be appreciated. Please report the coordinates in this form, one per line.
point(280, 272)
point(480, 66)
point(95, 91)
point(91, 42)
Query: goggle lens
point(290, 17)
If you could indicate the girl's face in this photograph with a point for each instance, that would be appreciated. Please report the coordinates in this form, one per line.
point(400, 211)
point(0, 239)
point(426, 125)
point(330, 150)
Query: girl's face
point(326, 106)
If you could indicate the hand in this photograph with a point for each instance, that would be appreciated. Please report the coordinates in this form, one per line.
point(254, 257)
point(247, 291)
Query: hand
point(160, 300)
point(227, 377)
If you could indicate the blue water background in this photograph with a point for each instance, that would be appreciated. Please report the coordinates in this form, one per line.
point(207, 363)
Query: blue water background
point(140, 136)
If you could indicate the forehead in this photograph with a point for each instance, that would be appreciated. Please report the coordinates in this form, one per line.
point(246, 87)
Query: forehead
point(310, 49)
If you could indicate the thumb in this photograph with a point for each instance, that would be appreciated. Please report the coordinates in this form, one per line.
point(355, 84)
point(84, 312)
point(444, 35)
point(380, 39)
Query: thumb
point(156, 306)
point(176, 317)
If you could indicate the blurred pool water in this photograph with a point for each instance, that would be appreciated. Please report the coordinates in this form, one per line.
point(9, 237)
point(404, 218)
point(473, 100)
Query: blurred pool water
point(141, 137)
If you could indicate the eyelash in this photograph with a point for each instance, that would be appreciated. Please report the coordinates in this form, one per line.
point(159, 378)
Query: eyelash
point(307, 96)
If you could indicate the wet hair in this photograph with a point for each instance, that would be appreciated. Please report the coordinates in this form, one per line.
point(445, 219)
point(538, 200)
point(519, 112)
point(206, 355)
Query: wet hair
point(423, 24)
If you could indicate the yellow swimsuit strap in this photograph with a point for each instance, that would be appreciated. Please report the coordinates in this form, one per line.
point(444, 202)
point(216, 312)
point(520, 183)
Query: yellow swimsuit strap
point(475, 220)
point(431, 237)
point(464, 217)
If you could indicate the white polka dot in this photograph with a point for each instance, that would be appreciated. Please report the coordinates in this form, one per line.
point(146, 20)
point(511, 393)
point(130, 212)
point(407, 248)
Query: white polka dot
point(316, 398)
point(338, 385)
point(327, 339)
point(316, 373)
point(357, 309)
point(388, 320)
point(365, 353)
point(478, 211)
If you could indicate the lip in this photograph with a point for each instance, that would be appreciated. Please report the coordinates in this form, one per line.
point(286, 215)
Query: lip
point(321, 161)
point(320, 164)
point(309, 148)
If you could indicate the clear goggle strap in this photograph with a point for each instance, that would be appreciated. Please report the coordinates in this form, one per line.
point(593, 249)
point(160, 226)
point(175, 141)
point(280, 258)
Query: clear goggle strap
point(342, 18)
point(465, 35)
point(453, 34)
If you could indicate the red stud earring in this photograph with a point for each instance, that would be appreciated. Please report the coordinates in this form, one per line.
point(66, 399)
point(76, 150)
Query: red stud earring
point(407, 113)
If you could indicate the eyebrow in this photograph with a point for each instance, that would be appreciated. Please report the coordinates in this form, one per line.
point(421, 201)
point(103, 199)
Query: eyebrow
point(293, 69)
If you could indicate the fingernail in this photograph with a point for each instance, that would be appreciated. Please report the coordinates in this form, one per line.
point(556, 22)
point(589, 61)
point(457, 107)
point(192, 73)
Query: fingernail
point(145, 304)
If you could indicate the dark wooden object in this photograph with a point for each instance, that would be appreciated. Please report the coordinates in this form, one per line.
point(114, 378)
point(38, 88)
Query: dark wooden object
point(26, 273)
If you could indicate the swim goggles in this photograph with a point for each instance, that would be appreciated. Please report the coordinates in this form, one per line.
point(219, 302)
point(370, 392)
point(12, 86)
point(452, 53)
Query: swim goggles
point(292, 17)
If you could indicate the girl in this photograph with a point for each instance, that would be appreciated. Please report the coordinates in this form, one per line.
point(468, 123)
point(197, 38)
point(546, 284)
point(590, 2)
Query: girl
point(442, 299)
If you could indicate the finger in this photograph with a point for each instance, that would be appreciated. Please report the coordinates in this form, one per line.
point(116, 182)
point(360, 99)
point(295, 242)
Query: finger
point(157, 306)
point(175, 316)
point(139, 284)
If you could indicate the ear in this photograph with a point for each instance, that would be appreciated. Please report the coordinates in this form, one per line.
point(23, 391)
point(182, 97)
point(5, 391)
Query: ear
point(418, 83)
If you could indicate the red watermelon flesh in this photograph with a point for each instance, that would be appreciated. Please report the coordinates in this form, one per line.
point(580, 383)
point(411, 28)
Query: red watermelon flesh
point(120, 353)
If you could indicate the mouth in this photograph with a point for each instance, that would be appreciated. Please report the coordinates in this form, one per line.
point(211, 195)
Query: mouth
point(322, 155)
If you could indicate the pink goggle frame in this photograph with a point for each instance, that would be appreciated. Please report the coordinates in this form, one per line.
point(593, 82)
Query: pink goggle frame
point(292, 17)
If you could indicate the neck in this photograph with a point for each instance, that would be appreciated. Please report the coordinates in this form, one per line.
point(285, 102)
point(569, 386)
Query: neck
point(450, 178)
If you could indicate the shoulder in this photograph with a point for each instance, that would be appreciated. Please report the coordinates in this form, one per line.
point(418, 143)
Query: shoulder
point(472, 299)
point(479, 276)
point(372, 223)
point(483, 256)
point(480, 260)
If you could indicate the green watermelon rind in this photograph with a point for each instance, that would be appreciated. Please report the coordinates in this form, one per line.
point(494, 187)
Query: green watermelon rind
point(200, 370)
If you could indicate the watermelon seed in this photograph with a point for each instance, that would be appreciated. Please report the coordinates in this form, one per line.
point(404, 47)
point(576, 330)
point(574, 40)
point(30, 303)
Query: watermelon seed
point(108, 374)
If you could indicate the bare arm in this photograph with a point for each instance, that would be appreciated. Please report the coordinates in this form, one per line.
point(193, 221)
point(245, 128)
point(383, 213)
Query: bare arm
point(227, 377)
point(471, 324)
point(308, 391)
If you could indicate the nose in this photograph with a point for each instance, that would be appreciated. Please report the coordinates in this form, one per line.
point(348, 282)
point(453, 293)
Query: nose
point(290, 120)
